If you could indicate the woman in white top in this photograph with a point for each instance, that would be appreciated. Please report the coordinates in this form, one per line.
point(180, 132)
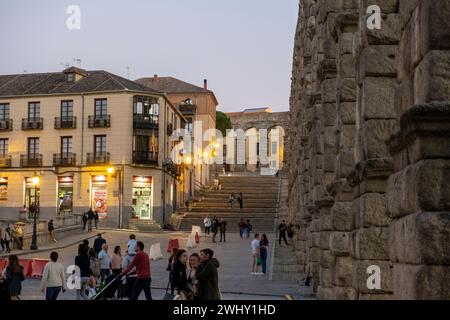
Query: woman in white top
point(53, 278)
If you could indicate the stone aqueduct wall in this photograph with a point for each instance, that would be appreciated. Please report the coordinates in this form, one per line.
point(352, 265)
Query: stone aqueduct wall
point(369, 148)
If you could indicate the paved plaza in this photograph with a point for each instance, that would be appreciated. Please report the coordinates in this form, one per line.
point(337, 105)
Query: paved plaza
point(235, 280)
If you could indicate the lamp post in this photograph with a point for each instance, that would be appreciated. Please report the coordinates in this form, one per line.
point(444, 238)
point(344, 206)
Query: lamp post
point(35, 180)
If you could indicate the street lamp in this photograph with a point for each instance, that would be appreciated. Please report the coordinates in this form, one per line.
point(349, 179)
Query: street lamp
point(35, 180)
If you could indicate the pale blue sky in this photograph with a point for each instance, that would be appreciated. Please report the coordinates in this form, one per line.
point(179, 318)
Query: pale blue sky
point(243, 47)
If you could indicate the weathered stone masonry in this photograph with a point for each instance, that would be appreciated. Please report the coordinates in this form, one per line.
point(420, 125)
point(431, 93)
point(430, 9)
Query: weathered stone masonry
point(369, 148)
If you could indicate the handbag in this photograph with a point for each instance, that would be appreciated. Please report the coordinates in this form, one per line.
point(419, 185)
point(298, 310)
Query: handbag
point(168, 295)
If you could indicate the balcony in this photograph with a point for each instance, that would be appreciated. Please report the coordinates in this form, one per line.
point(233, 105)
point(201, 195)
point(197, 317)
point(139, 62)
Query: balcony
point(31, 160)
point(99, 122)
point(188, 109)
point(5, 161)
point(97, 158)
point(32, 124)
point(6, 125)
point(145, 157)
point(65, 122)
point(64, 159)
point(142, 121)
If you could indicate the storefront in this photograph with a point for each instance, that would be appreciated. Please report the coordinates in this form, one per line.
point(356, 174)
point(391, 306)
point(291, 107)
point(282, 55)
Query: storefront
point(142, 197)
point(3, 188)
point(99, 195)
point(31, 194)
point(65, 195)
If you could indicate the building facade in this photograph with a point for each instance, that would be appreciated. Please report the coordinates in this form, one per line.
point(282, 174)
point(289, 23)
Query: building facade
point(197, 104)
point(77, 139)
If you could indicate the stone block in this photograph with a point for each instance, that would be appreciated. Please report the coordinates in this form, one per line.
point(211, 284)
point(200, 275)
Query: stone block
point(422, 238)
point(421, 282)
point(372, 211)
point(316, 239)
point(328, 89)
point(325, 277)
point(432, 78)
point(314, 255)
point(377, 61)
point(324, 240)
point(376, 133)
point(324, 293)
point(341, 214)
point(329, 114)
point(347, 113)
point(347, 90)
point(326, 259)
point(420, 187)
point(360, 276)
point(346, 66)
point(370, 243)
point(340, 243)
point(345, 162)
point(326, 223)
point(378, 95)
point(342, 270)
point(344, 293)
point(389, 34)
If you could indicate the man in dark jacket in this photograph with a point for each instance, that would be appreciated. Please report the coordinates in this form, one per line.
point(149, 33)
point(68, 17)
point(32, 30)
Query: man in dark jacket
point(84, 219)
point(98, 243)
point(214, 228)
point(223, 229)
point(90, 216)
point(282, 228)
point(207, 277)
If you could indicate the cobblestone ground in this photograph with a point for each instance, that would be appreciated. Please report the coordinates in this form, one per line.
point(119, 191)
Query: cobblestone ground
point(235, 280)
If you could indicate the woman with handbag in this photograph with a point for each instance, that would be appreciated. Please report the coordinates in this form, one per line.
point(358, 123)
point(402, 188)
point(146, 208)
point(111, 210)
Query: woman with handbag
point(13, 275)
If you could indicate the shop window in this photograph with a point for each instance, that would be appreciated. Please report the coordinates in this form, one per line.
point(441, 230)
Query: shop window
point(65, 195)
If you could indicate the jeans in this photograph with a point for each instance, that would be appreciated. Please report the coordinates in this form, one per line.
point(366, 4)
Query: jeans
point(81, 293)
point(246, 233)
point(263, 252)
point(282, 236)
point(104, 273)
point(51, 293)
point(207, 230)
point(222, 235)
point(214, 236)
point(241, 232)
point(89, 225)
point(142, 284)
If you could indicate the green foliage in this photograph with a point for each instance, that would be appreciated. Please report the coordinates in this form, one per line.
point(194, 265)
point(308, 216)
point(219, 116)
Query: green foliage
point(223, 122)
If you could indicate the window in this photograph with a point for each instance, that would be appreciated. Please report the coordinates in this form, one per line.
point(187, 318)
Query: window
point(33, 148)
point(66, 146)
point(101, 110)
point(34, 111)
point(99, 145)
point(3, 148)
point(66, 109)
point(4, 111)
point(70, 77)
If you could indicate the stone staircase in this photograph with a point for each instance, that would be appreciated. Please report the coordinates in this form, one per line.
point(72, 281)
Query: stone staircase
point(260, 203)
point(144, 225)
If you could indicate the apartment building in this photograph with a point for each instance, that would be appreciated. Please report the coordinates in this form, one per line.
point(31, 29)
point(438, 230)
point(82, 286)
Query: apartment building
point(76, 139)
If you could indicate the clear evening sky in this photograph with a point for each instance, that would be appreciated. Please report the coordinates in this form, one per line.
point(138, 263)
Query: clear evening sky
point(243, 47)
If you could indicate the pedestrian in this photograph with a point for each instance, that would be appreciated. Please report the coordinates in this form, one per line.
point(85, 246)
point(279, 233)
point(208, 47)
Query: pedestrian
point(263, 247)
point(143, 281)
point(223, 229)
point(96, 218)
point(86, 244)
point(172, 260)
point(98, 243)
point(84, 219)
point(241, 200)
point(90, 217)
point(105, 262)
point(51, 230)
point(207, 277)
point(214, 228)
point(83, 262)
point(282, 232)
point(241, 226)
point(13, 276)
point(256, 257)
point(18, 232)
point(94, 263)
point(131, 245)
point(290, 232)
point(7, 239)
point(194, 264)
point(53, 278)
point(33, 210)
point(131, 276)
point(247, 229)
point(231, 200)
point(207, 224)
point(116, 261)
point(179, 280)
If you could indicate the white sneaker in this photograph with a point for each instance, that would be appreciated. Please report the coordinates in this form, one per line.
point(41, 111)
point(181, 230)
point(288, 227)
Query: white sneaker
point(259, 274)
point(253, 273)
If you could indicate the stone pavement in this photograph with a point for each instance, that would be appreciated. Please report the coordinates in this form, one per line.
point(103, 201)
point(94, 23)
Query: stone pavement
point(235, 280)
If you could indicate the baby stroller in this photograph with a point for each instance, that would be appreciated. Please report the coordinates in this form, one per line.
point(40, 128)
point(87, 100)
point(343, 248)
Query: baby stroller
point(112, 284)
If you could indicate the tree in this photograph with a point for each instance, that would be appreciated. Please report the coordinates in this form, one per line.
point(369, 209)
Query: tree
point(223, 122)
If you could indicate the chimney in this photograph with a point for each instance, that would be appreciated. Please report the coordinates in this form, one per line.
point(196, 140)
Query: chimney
point(155, 76)
point(205, 84)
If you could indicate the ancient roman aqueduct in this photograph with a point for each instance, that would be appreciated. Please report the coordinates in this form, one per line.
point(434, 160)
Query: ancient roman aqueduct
point(369, 148)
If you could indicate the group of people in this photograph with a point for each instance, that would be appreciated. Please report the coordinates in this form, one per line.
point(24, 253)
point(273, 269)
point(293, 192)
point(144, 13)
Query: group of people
point(10, 237)
point(194, 276)
point(90, 217)
point(240, 200)
point(215, 226)
point(245, 227)
point(284, 229)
